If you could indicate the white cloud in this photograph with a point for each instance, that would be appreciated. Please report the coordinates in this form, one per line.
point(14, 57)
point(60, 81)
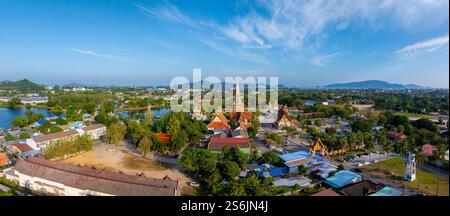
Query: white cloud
point(324, 58)
point(235, 52)
point(168, 13)
point(92, 53)
point(288, 23)
point(429, 45)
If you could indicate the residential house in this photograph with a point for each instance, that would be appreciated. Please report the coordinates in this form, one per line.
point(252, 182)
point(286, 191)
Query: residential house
point(217, 144)
point(96, 131)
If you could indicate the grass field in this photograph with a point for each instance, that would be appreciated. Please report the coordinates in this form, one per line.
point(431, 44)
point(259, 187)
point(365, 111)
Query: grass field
point(394, 169)
point(416, 115)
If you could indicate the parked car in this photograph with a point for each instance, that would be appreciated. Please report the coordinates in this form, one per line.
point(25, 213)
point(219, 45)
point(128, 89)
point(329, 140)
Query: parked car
point(110, 149)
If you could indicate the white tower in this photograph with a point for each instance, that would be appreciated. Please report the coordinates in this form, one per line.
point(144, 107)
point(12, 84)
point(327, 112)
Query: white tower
point(238, 105)
point(410, 173)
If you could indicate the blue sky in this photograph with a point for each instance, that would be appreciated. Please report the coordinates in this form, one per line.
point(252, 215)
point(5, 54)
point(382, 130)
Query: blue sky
point(304, 43)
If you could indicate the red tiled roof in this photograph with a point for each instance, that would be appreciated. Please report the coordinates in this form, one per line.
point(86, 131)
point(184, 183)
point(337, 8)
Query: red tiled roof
point(218, 143)
point(327, 192)
point(96, 180)
point(165, 138)
point(396, 135)
point(22, 147)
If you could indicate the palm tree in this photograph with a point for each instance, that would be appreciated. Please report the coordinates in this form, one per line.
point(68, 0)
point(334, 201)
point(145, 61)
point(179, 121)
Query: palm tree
point(421, 158)
point(437, 157)
point(351, 140)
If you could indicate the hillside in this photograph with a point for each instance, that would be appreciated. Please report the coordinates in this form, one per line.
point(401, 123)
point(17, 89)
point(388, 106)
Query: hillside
point(21, 85)
point(371, 84)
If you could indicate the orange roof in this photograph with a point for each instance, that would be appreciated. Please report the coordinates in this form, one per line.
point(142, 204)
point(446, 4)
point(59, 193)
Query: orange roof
point(238, 115)
point(216, 124)
point(222, 118)
point(165, 138)
point(3, 159)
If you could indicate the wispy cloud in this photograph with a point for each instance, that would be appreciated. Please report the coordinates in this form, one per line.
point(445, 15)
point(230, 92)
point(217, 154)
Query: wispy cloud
point(100, 55)
point(287, 24)
point(429, 45)
point(236, 52)
point(163, 43)
point(167, 13)
point(325, 58)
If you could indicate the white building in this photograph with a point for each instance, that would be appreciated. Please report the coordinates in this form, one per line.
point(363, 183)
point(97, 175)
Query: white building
point(41, 142)
point(52, 177)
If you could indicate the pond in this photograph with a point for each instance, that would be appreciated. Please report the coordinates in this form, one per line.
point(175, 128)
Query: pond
point(7, 115)
point(155, 112)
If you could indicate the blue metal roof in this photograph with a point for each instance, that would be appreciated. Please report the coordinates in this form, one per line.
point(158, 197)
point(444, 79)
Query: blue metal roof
point(278, 171)
point(342, 178)
point(295, 156)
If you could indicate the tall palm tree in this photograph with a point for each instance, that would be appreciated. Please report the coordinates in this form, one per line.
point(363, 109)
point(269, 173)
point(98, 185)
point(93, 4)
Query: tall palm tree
point(421, 158)
point(437, 157)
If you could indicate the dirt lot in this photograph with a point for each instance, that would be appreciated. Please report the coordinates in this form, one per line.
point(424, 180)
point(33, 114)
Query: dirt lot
point(127, 163)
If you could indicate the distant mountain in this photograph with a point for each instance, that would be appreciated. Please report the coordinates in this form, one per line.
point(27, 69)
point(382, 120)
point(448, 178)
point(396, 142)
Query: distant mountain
point(372, 84)
point(21, 85)
point(74, 84)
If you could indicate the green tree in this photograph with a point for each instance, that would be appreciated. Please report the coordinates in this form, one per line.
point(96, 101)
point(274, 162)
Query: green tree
point(19, 121)
point(252, 185)
point(270, 157)
point(178, 140)
point(24, 135)
point(61, 121)
point(236, 155)
point(199, 161)
point(13, 103)
point(9, 137)
point(55, 129)
point(115, 133)
point(302, 170)
point(229, 170)
point(145, 145)
point(58, 110)
point(421, 158)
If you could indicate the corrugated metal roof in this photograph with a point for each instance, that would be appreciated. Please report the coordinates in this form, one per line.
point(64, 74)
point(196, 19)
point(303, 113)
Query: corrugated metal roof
point(96, 180)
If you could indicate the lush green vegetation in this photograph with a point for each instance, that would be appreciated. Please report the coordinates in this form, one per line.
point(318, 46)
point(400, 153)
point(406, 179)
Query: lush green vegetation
point(274, 137)
point(218, 173)
point(394, 170)
point(22, 86)
point(67, 147)
point(115, 133)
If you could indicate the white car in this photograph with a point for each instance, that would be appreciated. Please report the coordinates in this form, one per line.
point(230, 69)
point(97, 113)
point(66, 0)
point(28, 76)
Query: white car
point(366, 163)
point(360, 164)
point(110, 149)
point(195, 184)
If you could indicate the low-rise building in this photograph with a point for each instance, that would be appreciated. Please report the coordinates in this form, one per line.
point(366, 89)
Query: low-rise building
point(96, 131)
point(217, 144)
point(41, 142)
point(56, 178)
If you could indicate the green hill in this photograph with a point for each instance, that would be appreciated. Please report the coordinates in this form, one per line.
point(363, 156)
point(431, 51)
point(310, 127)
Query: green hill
point(21, 85)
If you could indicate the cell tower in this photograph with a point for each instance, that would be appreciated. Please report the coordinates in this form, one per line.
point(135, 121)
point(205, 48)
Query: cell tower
point(411, 165)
